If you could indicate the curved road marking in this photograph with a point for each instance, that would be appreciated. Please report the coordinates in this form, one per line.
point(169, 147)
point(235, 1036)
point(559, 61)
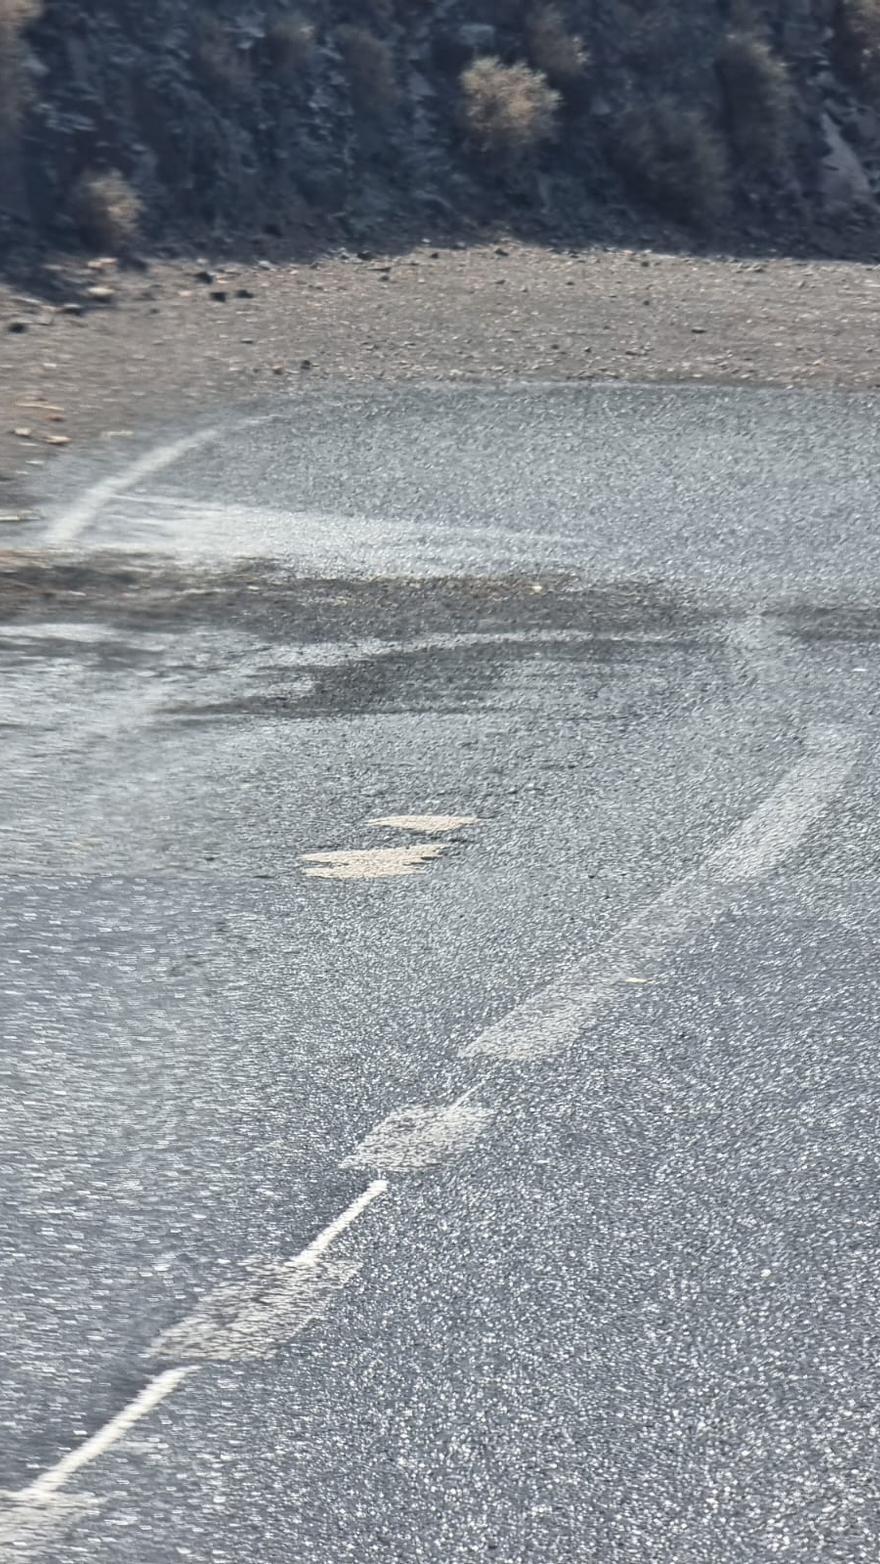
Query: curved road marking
point(556, 1016)
point(89, 506)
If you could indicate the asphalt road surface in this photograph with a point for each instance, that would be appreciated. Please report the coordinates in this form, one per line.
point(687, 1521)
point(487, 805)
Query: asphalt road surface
point(439, 983)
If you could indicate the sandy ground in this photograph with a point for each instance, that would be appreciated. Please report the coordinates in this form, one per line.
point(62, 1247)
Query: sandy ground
point(182, 336)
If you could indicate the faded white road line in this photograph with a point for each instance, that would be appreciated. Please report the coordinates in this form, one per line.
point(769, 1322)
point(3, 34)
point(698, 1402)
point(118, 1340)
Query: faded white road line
point(152, 1394)
point(253, 1317)
point(555, 1017)
point(31, 1518)
point(29, 1527)
point(415, 1138)
point(90, 504)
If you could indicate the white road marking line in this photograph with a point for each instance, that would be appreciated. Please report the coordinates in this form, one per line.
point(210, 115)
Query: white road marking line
point(372, 863)
point(252, 1318)
point(32, 1517)
point(89, 505)
point(784, 819)
point(417, 1137)
point(28, 1527)
point(429, 823)
point(164, 1385)
point(556, 1017)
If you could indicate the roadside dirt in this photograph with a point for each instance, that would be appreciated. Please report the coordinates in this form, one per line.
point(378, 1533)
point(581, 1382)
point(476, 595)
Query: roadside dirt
point(183, 337)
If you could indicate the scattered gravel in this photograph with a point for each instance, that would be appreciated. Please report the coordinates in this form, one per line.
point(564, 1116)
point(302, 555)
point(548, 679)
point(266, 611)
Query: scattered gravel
point(144, 346)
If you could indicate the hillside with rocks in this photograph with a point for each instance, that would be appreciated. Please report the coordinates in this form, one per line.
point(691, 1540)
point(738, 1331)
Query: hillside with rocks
point(127, 126)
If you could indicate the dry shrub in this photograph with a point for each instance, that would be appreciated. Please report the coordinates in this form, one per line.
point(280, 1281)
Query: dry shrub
point(370, 66)
point(675, 158)
point(758, 99)
point(507, 109)
point(857, 29)
point(291, 42)
point(107, 211)
point(15, 17)
point(219, 57)
point(553, 49)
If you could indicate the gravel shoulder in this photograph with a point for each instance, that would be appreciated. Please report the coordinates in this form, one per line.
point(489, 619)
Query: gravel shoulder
point(178, 337)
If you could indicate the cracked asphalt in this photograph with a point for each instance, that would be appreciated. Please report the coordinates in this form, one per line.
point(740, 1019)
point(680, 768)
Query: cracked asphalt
point(632, 1312)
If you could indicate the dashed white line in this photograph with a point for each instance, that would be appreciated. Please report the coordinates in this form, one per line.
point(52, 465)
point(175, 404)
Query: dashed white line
point(152, 1394)
point(30, 1517)
point(250, 1318)
point(253, 1317)
point(28, 1527)
point(556, 1017)
point(417, 1137)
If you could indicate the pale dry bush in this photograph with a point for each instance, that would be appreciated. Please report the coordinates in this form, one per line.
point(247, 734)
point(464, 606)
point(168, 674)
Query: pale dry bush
point(554, 48)
point(758, 98)
point(676, 158)
point(15, 17)
point(291, 42)
point(369, 63)
point(107, 211)
point(507, 110)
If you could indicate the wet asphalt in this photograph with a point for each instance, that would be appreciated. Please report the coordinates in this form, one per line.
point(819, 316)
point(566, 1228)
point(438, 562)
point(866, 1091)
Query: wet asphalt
point(638, 1317)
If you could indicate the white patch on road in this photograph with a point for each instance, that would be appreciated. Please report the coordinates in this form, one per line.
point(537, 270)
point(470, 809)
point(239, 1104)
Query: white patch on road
point(415, 1138)
point(90, 504)
point(254, 1317)
point(371, 863)
point(428, 823)
point(556, 1017)
point(784, 819)
point(28, 1527)
point(32, 1518)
